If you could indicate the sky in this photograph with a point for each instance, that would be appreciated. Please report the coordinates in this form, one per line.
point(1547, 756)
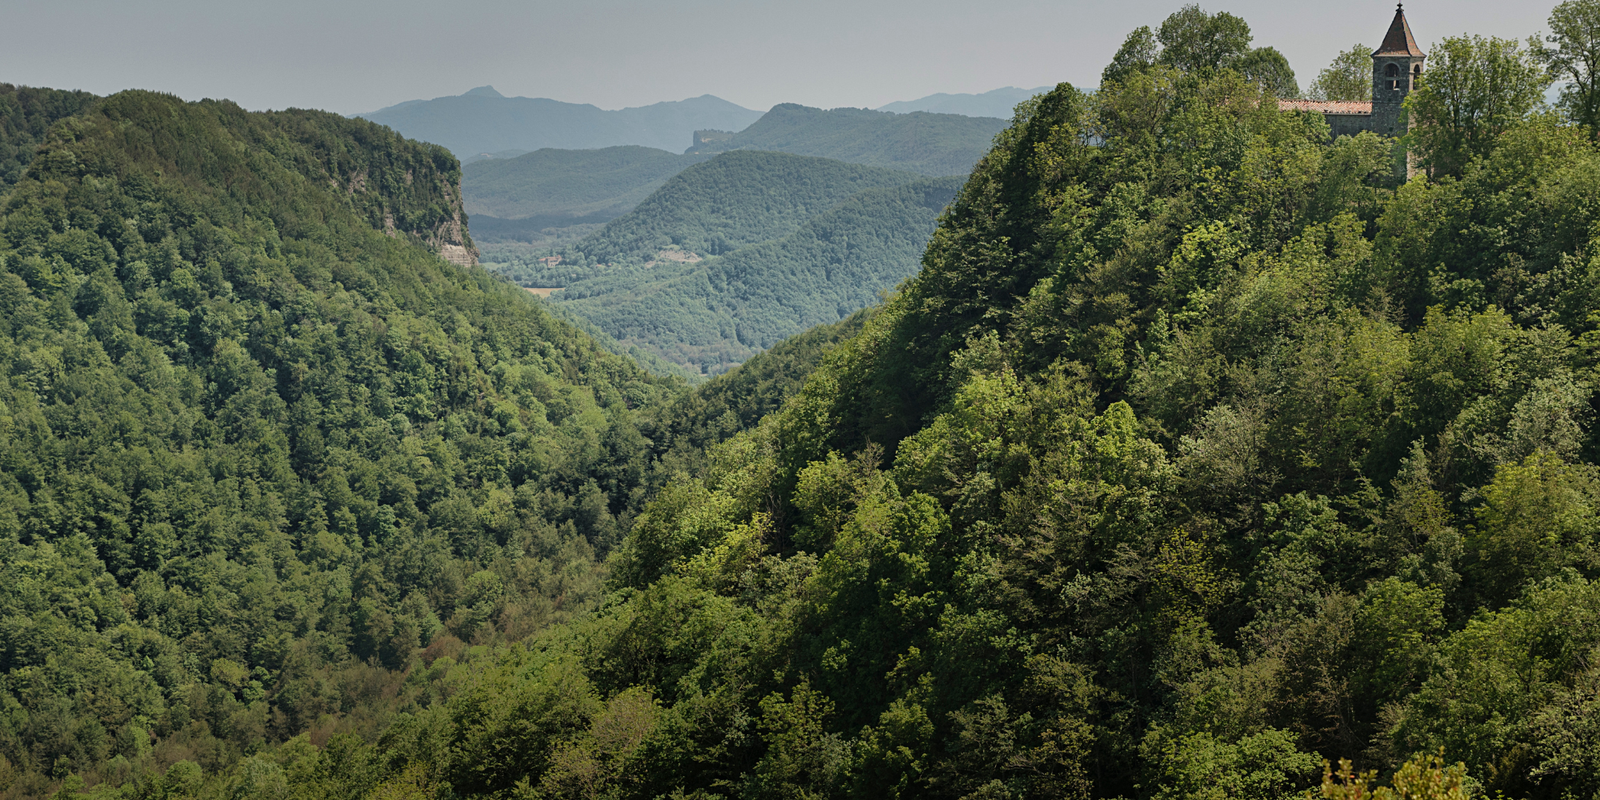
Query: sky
point(351, 56)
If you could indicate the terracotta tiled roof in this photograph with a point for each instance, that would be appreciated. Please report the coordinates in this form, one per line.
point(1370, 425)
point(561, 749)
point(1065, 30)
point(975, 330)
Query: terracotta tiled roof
point(1399, 42)
point(1325, 106)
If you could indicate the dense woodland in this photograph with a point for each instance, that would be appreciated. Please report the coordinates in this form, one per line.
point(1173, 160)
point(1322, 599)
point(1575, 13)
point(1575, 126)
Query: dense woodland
point(25, 116)
point(254, 453)
point(1204, 450)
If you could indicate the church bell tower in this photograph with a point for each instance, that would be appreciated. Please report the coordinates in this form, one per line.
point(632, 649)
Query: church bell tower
point(1395, 67)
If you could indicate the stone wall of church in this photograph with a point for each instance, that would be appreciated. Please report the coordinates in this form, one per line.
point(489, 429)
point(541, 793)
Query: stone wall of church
point(1348, 124)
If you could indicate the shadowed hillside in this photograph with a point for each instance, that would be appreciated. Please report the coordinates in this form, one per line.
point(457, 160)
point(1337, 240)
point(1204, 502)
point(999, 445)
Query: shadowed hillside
point(259, 444)
point(930, 144)
point(731, 201)
point(573, 183)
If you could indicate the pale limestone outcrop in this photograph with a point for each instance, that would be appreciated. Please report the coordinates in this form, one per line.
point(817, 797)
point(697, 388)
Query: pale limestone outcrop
point(450, 238)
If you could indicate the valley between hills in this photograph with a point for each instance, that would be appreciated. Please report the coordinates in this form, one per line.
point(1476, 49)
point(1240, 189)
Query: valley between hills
point(639, 244)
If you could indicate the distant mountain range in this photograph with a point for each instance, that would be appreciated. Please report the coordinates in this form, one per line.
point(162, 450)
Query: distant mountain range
point(483, 124)
point(930, 144)
point(483, 121)
point(515, 199)
point(998, 103)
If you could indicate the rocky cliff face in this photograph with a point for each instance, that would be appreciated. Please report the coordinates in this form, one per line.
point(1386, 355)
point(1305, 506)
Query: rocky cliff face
point(407, 189)
point(450, 237)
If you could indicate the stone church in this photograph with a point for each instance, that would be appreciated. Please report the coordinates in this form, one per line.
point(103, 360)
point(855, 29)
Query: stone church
point(1395, 65)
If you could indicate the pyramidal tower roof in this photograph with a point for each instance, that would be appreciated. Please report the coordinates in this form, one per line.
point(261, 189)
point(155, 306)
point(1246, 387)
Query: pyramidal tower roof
point(1399, 41)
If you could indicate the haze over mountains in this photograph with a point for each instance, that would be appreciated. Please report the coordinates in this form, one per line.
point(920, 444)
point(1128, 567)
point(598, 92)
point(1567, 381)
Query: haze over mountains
point(711, 315)
point(485, 121)
point(802, 216)
point(482, 123)
point(814, 212)
point(571, 183)
point(538, 198)
point(543, 172)
point(995, 103)
point(736, 199)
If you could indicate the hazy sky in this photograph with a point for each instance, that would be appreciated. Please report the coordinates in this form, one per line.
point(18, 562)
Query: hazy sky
point(360, 55)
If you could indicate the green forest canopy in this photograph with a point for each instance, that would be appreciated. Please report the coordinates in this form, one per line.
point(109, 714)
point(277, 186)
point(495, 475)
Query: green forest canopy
point(254, 453)
point(1200, 451)
point(25, 115)
point(1192, 457)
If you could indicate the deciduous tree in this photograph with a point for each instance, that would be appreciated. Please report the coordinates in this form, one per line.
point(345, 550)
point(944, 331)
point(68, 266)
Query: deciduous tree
point(1473, 90)
point(1137, 53)
point(1191, 39)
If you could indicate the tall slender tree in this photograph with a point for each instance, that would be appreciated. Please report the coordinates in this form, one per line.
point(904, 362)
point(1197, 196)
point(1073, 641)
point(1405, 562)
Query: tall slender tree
point(1137, 53)
point(1574, 56)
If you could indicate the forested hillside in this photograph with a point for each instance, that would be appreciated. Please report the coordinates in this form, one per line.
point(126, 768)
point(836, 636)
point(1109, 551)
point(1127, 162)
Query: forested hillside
point(930, 144)
point(733, 255)
point(543, 199)
point(738, 399)
point(538, 204)
point(711, 315)
point(733, 200)
point(1203, 451)
point(260, 445)
point(795, 241)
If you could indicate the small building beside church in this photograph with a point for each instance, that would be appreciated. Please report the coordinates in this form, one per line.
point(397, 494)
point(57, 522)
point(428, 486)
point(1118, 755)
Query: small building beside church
point(1395, 67)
